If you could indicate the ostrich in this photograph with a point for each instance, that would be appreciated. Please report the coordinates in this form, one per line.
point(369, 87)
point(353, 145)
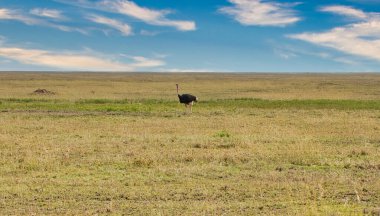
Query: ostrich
point(187, 99)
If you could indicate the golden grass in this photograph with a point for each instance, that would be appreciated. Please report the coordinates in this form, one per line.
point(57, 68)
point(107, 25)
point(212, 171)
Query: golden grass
point(207, 86)
point(216, 161)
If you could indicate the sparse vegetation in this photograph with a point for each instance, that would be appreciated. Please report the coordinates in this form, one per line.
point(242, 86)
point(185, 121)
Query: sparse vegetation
point(255, 144)
point(222, 134)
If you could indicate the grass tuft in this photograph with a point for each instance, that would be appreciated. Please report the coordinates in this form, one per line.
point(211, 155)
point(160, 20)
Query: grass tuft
point(222, 134)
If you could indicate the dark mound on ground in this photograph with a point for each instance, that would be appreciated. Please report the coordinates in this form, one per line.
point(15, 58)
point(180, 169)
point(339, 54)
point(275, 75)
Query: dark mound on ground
point(43, 92)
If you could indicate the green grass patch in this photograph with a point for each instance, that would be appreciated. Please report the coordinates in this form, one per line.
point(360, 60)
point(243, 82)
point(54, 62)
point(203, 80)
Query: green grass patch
point(298, 104)
point(222, 134)
point(125, 105)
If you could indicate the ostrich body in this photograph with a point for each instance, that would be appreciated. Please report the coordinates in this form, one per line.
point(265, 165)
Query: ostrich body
point(187, 99)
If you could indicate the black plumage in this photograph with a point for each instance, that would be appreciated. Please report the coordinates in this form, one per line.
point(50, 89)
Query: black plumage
point(187, 98)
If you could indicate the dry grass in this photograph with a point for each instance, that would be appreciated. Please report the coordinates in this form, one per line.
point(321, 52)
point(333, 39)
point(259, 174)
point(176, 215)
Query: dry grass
point(234, 161)
point(207, 86)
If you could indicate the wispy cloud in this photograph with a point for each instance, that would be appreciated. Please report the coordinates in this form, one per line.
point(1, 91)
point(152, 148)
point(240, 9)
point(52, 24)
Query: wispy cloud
point(20, 16)
point(284, 54)
point(5, 61)
point(124, 28)
point(148, 33)
point(8, 14)
point(131, 9)
point(188, 70)
point(345, 11)
point(140, 61)
point(49, 13)
point(345, 61)
point(82, 61)
point(288, 52)
point(261, 13)
point(361, 38)
point(2, 40)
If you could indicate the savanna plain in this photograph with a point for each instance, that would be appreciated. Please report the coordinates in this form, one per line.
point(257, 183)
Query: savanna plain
point(109, 143)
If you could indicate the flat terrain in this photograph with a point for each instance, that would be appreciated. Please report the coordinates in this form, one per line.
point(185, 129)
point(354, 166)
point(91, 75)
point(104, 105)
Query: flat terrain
point(270, 144)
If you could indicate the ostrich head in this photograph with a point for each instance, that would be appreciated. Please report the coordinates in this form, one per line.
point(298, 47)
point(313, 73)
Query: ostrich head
point(177, 88)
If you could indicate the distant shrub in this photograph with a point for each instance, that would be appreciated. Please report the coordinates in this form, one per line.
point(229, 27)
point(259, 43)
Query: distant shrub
point(197, 145)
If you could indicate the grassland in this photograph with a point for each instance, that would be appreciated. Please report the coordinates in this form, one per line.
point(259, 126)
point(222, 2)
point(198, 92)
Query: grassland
point(270, 144)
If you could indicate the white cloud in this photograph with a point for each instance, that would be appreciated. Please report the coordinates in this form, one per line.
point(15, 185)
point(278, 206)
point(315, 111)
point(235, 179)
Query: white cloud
point(17, 15)
point(49, 13)
point(361, 38)
point(261, 13)
point(131, 9)
point(74, 60)
point(345, 11)
point(8, 14)
point(124, 28)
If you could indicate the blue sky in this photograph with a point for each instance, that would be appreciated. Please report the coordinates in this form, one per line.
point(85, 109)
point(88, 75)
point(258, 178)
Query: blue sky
point(190, 35)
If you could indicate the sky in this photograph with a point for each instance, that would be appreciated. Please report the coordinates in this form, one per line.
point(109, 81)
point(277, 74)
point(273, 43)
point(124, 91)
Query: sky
point(190, 35)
